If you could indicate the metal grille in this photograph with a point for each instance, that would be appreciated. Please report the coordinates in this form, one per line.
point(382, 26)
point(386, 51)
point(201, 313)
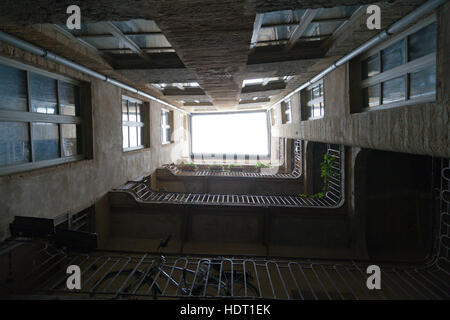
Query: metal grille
point(153, 276)
point(295, 174)
point(333, 197)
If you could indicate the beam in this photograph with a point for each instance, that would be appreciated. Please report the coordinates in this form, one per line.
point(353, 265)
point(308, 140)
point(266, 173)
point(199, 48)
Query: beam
point(301, 38)
point(108, 35)
point(294, 23)
point(128, 42)
point(256, 27)
point(147, 49)
point(305, 21)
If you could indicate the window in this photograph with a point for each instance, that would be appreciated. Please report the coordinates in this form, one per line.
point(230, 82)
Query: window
point(314, 100)
point(287, 113)
point(402, 70)
point(233, 133)
point(273, 116)
point(166, 128)
point(132, 124)
point(183, 127)
point(40, 121)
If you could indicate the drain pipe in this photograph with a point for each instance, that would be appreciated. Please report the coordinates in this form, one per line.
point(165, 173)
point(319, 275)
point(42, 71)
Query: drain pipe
point(31, 48)
point(413, 16)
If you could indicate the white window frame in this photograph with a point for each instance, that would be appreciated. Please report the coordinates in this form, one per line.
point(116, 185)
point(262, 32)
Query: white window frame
point(165, 126)
point(132, 124)
point(404, 69)
point(287, 111)
point(273, 116)
point(31, 117)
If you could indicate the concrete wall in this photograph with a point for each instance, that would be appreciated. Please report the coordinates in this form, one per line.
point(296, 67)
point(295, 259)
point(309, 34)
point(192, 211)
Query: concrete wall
point(52, 191)
point(229, 230)
point(419, 129)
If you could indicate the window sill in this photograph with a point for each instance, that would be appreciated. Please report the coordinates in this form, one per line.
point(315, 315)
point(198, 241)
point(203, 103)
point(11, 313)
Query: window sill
point(135, 150)
point(430, 98)
point(314, 118)
point(42, 167)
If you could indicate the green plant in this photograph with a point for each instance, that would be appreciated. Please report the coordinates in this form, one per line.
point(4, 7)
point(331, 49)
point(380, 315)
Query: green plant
point(232, 165)
point(191, 164)
point(261, 165)
point(326, 167)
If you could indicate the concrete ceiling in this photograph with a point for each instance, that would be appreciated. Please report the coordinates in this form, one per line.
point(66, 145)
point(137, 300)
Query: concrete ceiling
point(211, 40)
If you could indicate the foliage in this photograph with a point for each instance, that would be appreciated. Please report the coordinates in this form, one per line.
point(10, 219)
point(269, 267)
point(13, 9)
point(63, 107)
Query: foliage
point(190, 164)
point(326, 167)
point(232, 165)
point(261, 165)
point(326, 170)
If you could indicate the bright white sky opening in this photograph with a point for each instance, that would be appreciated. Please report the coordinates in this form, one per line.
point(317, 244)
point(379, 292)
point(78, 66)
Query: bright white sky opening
point(231, 133)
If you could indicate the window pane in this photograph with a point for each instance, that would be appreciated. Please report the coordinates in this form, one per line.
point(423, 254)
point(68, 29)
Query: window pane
point(43, 94)
point(288, 115)
point(13, 89)
point(423, 82)
point(370, 66)
point(393, 56)
point(138, 112)
point(69, 96)
point(167, 134)
point(133, 137)
point(70, 142)
point(316, 110)
point(316, 92)
point(165, 118)
point(45, 141)
point(394, 90)
point(125, 136)
point(14, 143)
point(371, 96)
point(124, 110)
point(139, 136)
point(132, 111)
point(422, 42)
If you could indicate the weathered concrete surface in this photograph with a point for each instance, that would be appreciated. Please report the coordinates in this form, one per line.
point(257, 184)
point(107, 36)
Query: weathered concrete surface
point(420, 128)
point(230, 230)
point(27, 12)
point(214, 47)
point(45, 36)
point(211, 38)
point(51, 191)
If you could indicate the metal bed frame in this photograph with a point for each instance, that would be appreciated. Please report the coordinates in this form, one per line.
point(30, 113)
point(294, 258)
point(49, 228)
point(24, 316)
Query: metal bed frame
point(333, 197)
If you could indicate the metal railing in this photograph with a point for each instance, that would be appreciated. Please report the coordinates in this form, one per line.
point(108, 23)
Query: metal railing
point(134, 276)
point(266, 172)
point(333, 197)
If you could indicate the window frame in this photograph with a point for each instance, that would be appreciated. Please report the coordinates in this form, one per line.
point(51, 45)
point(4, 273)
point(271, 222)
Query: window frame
point(129, 123)
point(286, 110)
point(228, 156)
point(31, 118)
point(309, 104)
point(273, 117)
point(165, 126)
point(403, 70)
